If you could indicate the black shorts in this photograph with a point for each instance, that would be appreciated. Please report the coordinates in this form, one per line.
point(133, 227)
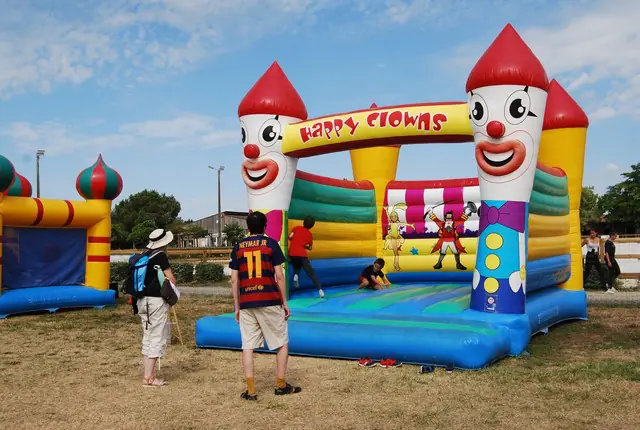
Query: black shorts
point(297, 262)
point(592, 257)
point(370, 280)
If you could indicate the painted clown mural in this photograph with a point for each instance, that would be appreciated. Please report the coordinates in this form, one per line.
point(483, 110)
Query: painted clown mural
point(269, 106)
point(507, 94)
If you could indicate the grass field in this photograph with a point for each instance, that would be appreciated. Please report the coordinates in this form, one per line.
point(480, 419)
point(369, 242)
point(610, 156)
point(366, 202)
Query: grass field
point(80, 369)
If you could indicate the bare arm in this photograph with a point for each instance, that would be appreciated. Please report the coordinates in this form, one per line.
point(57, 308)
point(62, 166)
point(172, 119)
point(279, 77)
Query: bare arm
point(282, 286)
point(584, 242)
point(169, 275)
point(235, 290)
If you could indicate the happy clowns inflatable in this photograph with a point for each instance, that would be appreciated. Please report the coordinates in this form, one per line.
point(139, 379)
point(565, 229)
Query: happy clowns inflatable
point(269, 106)
point(507, 93)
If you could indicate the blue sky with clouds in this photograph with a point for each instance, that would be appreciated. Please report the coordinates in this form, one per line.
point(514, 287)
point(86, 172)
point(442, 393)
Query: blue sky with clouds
point(154, 85)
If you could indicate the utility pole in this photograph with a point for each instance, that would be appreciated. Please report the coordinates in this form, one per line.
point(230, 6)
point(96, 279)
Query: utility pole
point(39, 153)
point(219, 169)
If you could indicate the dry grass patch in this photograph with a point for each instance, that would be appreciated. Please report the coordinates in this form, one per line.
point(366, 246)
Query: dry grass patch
point(79, 369)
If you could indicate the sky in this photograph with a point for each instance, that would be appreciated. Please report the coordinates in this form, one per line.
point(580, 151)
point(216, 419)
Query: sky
point(154, 85)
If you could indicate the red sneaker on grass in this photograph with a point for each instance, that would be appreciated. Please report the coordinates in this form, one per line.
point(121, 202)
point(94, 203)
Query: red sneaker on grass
point(366, 362)
point(389, 362)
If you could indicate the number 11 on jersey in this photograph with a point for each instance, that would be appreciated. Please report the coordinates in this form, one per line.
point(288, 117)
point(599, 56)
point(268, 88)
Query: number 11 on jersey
point(254, 263)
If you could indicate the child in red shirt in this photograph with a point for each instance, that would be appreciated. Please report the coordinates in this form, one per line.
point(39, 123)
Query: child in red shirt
point(301, 241)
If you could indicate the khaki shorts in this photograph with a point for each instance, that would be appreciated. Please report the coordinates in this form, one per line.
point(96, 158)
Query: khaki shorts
point(156, 330)
point(265, 323)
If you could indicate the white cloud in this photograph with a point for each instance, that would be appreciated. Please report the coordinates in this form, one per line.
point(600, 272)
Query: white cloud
point(134, 39)
point(596, 47)
point(57, 138)
point(612, 167)
point(144, 40)
point(187, 130)
point(602, 113)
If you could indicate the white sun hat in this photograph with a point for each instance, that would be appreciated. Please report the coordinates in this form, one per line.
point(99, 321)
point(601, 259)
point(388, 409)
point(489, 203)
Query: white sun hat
point(159, 238)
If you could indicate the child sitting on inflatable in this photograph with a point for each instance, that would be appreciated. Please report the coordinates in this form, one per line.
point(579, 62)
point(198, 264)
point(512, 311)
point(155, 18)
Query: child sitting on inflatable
point(369, 276)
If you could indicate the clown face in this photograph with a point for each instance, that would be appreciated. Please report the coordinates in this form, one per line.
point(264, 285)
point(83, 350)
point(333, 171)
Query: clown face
point(507, 125)
point(267, 173)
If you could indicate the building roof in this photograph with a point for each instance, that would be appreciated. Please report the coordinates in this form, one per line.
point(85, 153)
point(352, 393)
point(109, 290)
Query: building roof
point(224, 213)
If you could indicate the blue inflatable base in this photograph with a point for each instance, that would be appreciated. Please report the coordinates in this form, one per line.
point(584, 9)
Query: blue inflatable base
point(53, 298)
point(412, 323)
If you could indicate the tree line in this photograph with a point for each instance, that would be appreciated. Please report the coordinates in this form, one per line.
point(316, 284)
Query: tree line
point(134, 218)
point(617, 209)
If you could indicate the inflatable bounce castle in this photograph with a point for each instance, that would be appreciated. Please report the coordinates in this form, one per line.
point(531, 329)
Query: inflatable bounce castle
point(478, 265)
point(55, 254)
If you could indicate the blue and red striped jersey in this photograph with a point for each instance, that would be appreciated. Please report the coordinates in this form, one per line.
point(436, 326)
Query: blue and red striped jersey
point(255, 258)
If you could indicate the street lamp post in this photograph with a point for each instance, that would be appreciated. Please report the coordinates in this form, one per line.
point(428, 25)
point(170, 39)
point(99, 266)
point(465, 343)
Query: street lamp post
point(39, 153)
point(219, 169)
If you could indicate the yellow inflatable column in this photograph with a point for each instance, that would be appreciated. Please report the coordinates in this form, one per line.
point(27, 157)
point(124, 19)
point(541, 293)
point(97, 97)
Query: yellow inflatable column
point(377, 165)
point(1, 198)
point(563, 145)
point(99, 248)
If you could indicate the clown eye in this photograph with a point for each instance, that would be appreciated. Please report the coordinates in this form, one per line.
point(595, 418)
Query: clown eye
point(244, 132)
point(517, 107)
point(478, 111)
point(270, 132)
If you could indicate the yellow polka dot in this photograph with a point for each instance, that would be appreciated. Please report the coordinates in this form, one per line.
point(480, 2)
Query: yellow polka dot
point(494, 241)
point(491, 285)
point(523, 273)
point(492, 261)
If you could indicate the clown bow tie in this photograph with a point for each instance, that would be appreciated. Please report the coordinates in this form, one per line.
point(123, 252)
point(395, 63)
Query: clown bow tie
point(511, 215)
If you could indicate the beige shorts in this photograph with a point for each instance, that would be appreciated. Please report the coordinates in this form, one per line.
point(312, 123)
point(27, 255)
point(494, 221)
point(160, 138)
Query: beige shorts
point(156, 329)
point(260, 324)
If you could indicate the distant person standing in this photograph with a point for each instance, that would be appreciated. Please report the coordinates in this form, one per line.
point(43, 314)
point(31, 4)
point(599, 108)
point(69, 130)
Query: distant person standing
point(259, 296)
point(301, 241)
point(610, 259)
point(592, 259)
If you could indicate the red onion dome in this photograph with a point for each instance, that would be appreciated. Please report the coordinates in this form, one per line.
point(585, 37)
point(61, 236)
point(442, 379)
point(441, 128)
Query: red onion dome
point(99, 182)
point(21, 187)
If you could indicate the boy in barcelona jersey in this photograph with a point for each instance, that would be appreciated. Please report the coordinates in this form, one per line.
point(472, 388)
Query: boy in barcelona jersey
point(259, 296)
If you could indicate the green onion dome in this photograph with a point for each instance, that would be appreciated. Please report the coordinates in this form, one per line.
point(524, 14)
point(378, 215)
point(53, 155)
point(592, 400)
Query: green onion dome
point(7, 173)
point(21, 187)
point(99, 182)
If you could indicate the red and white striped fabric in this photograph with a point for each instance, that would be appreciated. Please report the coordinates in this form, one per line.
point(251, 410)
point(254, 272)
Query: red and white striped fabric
point(442, 196)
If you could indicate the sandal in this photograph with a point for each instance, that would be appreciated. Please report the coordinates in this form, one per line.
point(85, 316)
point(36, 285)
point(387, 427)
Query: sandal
point(248, 396)
point(287, 389)
point(153, 382)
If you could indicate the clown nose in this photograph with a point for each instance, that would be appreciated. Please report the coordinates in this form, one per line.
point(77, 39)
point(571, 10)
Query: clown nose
point(495, 129)
point(251, 151)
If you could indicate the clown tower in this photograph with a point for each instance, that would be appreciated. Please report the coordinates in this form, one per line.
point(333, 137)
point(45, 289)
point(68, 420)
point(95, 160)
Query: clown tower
point(507, 93)
point(269, 106)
